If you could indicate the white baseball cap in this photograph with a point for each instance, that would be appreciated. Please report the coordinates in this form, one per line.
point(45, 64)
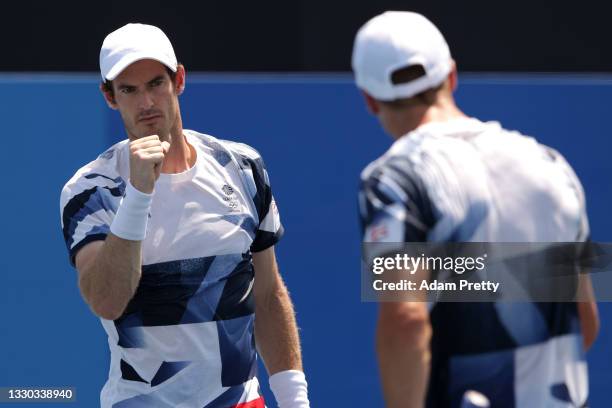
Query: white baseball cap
point(131, 43)
point(395, 40)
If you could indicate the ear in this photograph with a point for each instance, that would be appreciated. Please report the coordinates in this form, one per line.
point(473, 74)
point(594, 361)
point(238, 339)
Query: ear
point(109, 98)
point(453, 77)
point(181, 74)
point(371, 103)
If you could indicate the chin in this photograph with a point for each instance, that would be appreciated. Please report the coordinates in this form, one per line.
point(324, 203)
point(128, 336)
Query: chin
point(149, 130)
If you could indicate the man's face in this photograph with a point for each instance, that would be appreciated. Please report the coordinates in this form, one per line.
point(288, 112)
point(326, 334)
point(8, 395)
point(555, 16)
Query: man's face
point(147, 99)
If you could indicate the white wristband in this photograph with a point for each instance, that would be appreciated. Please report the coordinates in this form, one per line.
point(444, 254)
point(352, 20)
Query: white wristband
point(132, 215)
point(290, 389)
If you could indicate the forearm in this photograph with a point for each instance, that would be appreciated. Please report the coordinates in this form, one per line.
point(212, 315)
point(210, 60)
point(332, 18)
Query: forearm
point(587, 311)
point(110, 279)
point(276, 331)
point(589, 322)
point(402, 343)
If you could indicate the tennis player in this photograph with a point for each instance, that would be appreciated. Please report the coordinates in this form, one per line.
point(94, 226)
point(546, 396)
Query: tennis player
point(446, 178)
point(172, 233)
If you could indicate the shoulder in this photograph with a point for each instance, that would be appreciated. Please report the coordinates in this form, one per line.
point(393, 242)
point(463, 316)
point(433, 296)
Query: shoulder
point(395, 180)
point(401, 160)
point(243, 150)
point(223, 150)
point(560, 162)
point(102, 172)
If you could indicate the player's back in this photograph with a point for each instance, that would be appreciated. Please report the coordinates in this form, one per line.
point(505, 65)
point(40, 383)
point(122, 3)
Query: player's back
point(489, 184)
point(474, 181)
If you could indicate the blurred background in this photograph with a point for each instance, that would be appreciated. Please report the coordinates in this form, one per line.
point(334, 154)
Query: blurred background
point(275, 76)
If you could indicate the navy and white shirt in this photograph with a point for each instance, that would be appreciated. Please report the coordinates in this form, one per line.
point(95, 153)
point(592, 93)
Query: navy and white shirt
point(186, 338)
point(465, 180)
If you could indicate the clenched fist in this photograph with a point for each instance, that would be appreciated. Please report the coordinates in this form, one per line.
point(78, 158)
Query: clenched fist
point(146, 159)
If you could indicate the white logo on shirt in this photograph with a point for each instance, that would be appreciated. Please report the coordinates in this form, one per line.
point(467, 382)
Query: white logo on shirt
point(230, 197)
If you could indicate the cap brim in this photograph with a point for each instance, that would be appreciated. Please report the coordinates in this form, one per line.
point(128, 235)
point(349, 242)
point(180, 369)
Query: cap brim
point(128, 60)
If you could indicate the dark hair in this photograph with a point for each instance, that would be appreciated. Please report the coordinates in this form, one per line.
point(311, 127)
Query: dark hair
point(107, 85)
point(407, 74)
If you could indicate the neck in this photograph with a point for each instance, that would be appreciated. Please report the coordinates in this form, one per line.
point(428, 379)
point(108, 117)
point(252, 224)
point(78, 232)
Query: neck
point(181, 156)
point(409, 120)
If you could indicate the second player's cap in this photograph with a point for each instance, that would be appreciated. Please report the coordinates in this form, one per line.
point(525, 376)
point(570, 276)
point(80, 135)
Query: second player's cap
point(395, 40)
point(131, 43)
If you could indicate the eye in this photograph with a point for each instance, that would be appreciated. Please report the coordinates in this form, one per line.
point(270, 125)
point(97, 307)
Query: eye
point(127, 90)
point(157, 82)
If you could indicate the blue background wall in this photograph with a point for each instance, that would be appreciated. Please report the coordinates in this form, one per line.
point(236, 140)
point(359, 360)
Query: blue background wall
point(315, 136)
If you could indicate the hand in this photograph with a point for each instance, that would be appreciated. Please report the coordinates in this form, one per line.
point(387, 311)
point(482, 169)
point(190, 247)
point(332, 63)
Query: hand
point(146, 159)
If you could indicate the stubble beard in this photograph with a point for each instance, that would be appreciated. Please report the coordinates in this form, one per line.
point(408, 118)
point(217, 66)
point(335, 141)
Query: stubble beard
point(136, 131)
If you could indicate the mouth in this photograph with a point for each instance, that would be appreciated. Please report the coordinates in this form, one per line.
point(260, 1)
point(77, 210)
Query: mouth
point(148, 118)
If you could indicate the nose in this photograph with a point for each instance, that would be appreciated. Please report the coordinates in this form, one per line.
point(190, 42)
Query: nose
point(146, 100)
